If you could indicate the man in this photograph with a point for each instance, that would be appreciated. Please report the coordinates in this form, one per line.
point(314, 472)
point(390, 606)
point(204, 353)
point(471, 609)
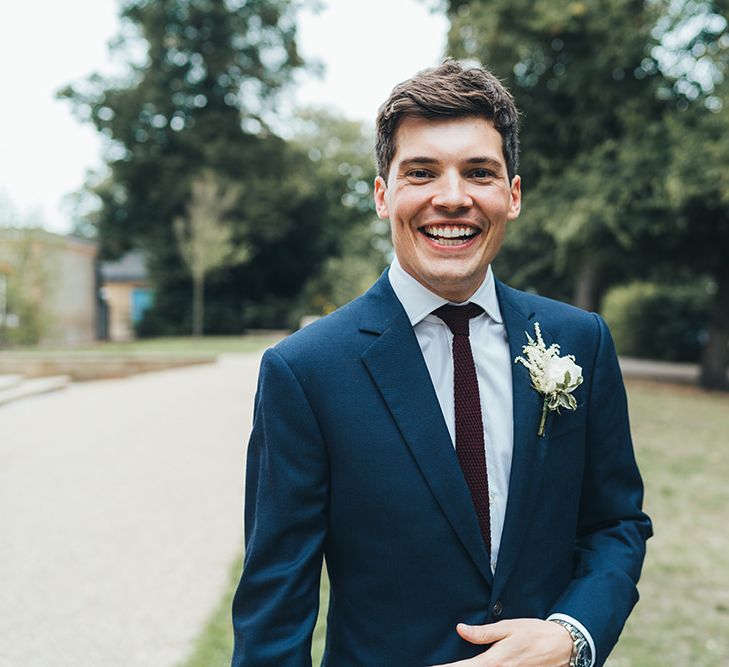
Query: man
point(463, 522)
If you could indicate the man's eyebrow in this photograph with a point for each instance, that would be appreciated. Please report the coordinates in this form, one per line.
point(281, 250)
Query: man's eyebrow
point(419, 159)
point(479, 159)
point(485, 159)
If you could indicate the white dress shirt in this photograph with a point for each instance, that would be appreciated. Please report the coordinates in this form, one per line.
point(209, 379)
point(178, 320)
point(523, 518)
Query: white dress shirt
point(492, 358)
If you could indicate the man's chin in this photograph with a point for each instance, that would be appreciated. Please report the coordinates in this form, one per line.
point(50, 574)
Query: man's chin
point(455, 286)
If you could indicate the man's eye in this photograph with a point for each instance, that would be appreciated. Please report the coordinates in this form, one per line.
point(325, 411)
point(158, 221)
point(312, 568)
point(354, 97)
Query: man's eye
point(419, 174)
point(482, 173)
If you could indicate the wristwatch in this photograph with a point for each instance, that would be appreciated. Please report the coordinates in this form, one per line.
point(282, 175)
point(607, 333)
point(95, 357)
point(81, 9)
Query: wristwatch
point(581, 653)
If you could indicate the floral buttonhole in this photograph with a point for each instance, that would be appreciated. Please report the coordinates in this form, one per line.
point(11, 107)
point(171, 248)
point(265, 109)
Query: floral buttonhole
point(553, 376)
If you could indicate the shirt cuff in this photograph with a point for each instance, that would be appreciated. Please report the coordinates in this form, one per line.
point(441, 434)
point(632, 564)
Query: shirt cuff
point(581, 628)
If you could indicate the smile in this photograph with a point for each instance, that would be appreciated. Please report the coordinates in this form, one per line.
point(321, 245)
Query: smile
point(449, 234)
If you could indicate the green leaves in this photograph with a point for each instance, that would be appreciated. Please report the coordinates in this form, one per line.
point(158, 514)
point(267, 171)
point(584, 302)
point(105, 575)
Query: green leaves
point(625, 138)
point(201, 93)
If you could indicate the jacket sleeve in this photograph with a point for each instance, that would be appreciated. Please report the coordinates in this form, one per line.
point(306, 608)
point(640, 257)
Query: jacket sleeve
point(276, 603)
point(612, 529)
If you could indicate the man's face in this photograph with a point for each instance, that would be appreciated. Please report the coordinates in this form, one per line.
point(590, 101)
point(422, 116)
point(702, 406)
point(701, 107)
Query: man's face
point(448, 198)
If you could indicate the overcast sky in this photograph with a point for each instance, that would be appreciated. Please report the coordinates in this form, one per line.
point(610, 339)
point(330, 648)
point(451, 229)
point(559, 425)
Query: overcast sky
point(366, 48)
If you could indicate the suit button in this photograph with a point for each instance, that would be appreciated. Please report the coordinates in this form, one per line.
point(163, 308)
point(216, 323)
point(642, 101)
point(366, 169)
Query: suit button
point(497, 608)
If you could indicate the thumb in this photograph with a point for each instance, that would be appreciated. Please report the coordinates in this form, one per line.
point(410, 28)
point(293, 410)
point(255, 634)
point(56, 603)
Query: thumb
point(482, 634)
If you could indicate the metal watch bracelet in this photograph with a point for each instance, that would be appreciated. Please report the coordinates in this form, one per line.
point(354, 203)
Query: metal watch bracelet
point(581, 653)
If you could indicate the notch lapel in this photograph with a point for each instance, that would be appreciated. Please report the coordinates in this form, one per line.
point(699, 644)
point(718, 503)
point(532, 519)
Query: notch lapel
point(529, 450)
point(395, 363)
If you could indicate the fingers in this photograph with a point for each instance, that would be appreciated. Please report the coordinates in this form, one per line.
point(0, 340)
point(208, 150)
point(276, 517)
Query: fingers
point(528, 642)
point(478, 634)
point(483, 634)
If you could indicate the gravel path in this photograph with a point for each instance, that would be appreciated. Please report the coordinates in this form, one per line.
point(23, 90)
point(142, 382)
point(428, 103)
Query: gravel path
point(120, 515)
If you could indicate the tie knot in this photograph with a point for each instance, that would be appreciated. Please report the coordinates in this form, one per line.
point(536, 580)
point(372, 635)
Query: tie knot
point(457, 317)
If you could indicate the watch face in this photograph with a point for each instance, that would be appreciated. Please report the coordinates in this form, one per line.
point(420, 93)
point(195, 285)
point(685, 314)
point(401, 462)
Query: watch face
point(583, 656)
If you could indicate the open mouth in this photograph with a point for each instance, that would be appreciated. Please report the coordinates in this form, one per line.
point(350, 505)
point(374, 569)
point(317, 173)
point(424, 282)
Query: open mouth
point(450, 234)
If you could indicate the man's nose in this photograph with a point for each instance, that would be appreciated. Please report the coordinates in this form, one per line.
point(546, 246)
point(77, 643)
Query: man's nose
point(452, 193)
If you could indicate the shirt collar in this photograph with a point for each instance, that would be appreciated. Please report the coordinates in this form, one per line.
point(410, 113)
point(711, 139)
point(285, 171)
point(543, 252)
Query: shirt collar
point(419, 302)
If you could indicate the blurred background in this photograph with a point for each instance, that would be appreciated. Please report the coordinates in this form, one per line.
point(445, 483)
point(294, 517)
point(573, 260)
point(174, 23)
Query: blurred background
point(180, 169)
point(213, 167)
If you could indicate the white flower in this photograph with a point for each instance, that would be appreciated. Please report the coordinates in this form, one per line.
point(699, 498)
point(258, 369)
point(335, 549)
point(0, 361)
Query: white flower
point(559, 371)
point(552, 376)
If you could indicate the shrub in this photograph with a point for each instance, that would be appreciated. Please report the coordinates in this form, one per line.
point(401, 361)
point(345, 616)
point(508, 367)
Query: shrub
point(658, 321)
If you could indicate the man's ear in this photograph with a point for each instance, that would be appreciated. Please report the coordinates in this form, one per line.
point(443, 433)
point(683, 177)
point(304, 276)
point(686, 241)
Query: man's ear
point(380, 202)
point(515, 203)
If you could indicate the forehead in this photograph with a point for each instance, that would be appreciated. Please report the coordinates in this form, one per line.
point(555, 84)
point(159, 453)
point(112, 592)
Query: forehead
point(448, 139)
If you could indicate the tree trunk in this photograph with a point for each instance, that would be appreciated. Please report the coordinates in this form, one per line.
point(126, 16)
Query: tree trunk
point(715, 357)
point(589, 286)
point(198, 305)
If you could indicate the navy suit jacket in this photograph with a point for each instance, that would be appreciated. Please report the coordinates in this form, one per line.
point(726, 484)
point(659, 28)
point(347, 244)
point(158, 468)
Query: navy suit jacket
point(350, 458)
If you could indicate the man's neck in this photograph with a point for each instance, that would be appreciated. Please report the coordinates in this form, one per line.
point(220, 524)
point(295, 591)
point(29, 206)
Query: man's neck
point(419, 301)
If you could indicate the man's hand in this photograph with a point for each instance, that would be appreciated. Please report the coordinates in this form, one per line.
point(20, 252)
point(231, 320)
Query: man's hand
point(522, 642)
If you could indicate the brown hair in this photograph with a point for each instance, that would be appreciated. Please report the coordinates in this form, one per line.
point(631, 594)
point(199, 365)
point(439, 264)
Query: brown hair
point(450, 90)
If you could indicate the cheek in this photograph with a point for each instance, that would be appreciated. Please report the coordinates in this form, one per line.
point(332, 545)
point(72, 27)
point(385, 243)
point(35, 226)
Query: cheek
point(496, 234)
point(406, 204)
point(499, 203)
point(402, 233)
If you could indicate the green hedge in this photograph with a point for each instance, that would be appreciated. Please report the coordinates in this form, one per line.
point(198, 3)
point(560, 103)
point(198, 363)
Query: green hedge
point(658, 321)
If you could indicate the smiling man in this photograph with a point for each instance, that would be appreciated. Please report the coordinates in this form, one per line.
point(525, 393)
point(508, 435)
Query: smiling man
point(463, 520)
point(448, 196)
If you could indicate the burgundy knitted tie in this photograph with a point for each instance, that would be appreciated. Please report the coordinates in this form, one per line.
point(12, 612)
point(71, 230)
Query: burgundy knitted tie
point(469, 423)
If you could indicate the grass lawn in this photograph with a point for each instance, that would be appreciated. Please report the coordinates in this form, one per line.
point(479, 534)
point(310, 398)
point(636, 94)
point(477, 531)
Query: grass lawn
point(681, 437)
point(682, 442)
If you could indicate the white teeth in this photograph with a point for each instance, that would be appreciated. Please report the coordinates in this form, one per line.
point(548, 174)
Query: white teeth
point(441, 241)
point(446, 232)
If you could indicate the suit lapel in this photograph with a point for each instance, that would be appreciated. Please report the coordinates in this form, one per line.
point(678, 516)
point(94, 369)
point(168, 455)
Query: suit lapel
point(529, 450)
point(396, 364)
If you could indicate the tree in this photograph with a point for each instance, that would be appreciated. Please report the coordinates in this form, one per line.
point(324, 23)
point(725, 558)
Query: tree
point(698, 185)
point(28, 268)
point(341, 166)
point(585, 79)
point(694, 237)
point(619, 103)
point(203, 96)
point(205, 237)
point(697, 238)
